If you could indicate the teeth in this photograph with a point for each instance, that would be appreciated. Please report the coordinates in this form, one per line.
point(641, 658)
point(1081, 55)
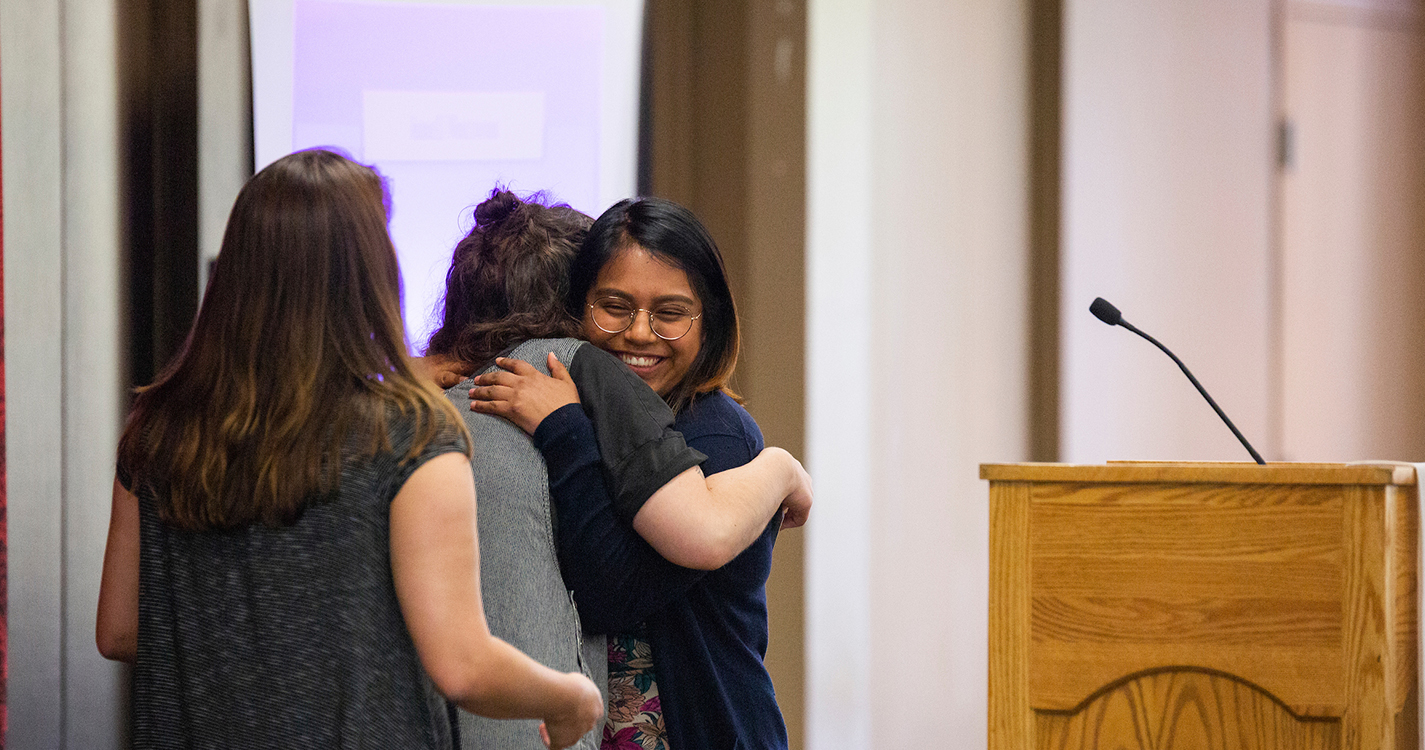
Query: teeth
point(634, 360)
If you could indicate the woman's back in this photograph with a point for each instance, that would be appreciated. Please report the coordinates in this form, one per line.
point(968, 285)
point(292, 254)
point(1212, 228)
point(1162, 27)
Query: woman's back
point(526, 600)
point(292, 558)
point(286, 636)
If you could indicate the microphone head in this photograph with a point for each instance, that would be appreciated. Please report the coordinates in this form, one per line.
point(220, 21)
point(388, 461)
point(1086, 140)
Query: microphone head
point(1105, 311)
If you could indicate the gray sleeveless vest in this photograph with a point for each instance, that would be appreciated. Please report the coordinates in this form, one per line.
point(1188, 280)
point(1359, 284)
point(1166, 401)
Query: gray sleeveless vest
point(526, 602)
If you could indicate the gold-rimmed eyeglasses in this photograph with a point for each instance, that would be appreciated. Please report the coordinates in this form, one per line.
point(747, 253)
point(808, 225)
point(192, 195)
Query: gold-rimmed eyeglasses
point(616, 315)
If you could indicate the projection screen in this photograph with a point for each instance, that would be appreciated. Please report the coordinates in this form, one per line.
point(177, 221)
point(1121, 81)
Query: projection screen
point(449, 100)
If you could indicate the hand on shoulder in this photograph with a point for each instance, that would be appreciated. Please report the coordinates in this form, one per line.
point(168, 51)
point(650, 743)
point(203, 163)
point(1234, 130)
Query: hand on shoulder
point(520, 393)
point(442, 370)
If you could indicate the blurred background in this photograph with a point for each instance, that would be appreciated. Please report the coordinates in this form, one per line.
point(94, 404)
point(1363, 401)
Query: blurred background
point(918, 200)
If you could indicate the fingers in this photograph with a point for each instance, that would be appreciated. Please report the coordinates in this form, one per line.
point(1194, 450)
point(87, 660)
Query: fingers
point(517, 366)
point(498, 377)
point(492, 393)
point(442, 370)
point(449, 365)
point(492, 400)
point(544, 734)
point(797, 504)
point(792, 519)
point(514, 370)
point(558, 370)
point(498, 408)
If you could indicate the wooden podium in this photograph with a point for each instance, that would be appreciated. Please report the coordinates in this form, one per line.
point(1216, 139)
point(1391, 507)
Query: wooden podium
point(1207, 605)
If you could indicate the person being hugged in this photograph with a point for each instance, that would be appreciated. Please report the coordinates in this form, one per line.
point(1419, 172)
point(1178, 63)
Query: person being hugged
point(687, 646)
point(292, 554)
point(630, 498)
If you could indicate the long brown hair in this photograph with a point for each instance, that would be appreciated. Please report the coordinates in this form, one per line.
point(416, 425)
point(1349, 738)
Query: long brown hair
point(298, 350)
point(508, 278)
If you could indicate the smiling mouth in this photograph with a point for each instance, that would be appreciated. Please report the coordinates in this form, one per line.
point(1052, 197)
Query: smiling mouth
point(639, 360)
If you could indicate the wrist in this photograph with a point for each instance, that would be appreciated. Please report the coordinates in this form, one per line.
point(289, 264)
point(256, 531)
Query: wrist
point(559, 424)
point(568, 695)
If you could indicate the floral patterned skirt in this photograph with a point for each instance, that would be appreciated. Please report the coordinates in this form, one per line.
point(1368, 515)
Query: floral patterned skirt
point(635, 720)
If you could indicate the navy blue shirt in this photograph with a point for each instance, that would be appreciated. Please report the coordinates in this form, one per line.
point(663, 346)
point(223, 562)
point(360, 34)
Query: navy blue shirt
point(708, 629)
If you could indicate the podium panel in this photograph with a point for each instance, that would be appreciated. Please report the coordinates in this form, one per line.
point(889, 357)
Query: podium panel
point(1174, 606)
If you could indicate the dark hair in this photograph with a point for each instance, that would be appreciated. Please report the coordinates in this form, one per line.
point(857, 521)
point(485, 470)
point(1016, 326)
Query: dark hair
point(673, 234)
point(298, 347)
point(508, 278)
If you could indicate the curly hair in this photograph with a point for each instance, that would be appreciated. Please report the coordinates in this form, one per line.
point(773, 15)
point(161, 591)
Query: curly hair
point(508, 278)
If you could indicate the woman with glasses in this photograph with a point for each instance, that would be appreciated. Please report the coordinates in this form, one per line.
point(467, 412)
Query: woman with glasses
point(685, 657)
point(629, 491)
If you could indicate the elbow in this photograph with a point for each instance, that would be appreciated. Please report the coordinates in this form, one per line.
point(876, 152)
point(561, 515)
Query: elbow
point(116, 645)
point(693, 527)
point(467, 686)
point(706, 551)
point(461, 686)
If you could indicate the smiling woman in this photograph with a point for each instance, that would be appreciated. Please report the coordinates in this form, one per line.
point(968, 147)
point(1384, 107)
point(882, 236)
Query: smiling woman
point(644, 312)
point(654, 256)
point(631, 502)
point(685, 649)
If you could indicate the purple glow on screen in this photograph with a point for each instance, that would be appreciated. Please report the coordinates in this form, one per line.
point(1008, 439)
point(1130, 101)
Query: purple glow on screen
point(449, 101)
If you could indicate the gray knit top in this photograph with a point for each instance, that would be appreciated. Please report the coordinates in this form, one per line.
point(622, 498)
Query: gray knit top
point(526, 602)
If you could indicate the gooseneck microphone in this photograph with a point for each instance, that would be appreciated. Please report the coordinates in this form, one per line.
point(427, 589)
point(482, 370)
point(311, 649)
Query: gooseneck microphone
point(1105, 311)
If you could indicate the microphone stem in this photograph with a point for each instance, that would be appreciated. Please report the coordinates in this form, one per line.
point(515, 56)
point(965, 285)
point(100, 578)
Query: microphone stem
point(1255, 455)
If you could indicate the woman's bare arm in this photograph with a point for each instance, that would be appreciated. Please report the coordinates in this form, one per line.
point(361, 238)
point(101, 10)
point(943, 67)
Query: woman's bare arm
point(117, 629)
point(435, 562)
point(704, 522)
point(693, 521)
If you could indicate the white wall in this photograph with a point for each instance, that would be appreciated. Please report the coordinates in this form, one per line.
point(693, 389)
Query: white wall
point(33, 194)
point(58, 60)
point(1168, 162)
point(224, 121)
point(1354, 237)
point(917, 310)
point(918, 130)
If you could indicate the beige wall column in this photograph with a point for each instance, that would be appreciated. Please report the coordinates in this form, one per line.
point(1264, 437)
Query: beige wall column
point(726, 138)
point(918, 367)
point(63, 362)
point(224, 121)
point(31, 82)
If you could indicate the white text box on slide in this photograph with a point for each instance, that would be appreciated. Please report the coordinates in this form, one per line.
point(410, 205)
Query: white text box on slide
point(452, 126)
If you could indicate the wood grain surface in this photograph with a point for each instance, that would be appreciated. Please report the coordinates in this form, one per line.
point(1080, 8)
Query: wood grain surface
point(1187, 609)
point(1010, 719)
point(1368, 720)
point(1132, 577)
point(1379, 473)
point(1178, 710)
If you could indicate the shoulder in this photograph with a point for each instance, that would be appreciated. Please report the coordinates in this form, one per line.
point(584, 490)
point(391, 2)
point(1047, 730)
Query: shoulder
point(604, 376)
point(587, 356)
point(413, 436)
point(716, 414)
point(434, 429)
point(534, 351)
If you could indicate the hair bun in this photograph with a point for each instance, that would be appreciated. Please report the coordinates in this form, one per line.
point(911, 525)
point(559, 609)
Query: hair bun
point(497, 208)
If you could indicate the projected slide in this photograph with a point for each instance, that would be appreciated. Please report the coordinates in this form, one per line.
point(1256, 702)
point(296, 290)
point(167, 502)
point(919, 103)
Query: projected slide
point(448, 100)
